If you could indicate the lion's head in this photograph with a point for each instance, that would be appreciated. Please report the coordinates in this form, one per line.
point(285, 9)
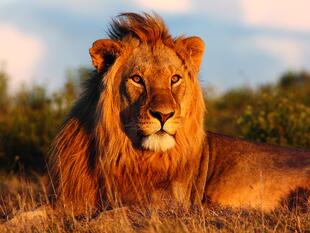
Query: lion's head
point(141, 114)
point(153, 77)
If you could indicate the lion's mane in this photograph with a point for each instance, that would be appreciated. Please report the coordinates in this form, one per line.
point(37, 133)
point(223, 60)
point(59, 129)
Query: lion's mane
point(93, 162)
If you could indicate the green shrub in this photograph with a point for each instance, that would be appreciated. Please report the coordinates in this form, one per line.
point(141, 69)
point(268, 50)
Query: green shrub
point(276, 119)
point(27, 128)
point(223, 111)
point(30, 119)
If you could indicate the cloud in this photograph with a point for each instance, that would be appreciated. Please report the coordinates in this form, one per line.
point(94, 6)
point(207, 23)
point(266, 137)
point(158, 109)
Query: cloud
point(170, 6)
point(225, 10)
point(89, 8)
point(79, 6)
point(20, 54)
point(282, 14)
point(289, 52)
point(4, 3)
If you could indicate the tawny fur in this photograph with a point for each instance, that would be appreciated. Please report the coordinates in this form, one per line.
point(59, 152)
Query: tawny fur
point(96, 160)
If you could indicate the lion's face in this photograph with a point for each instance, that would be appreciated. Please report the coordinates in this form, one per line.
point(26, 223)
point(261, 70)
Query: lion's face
point(154, 85)
point(153, 96)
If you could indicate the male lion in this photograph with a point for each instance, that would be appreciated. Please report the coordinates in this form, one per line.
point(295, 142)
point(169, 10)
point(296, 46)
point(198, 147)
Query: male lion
point(136, 134)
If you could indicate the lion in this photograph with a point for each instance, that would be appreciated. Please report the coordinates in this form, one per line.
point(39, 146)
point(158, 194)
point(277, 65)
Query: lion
point(136, 135)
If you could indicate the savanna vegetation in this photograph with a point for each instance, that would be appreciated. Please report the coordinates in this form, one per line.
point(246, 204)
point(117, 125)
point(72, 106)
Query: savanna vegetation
point(277, 113)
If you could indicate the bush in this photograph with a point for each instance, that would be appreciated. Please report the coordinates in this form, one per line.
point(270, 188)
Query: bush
point(276, 119)
point(223, 111)
point(27, 129)
point(30, 119)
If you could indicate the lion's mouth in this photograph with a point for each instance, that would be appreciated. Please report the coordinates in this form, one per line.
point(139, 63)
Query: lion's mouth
point(159, 141)
point(163, 132)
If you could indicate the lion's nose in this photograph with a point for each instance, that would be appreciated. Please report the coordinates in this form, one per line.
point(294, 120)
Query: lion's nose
point(162, 117)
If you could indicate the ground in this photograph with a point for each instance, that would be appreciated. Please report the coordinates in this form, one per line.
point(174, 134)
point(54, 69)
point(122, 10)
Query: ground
point(17, 195)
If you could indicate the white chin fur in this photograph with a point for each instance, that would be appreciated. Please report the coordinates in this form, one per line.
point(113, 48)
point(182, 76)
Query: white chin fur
point(158, 142)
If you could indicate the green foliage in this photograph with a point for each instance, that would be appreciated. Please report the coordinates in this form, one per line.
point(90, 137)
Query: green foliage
point(292, 79)
point(223, 111)
point(3, 91)
point(277, 119)
point(30, 119)
point(278, 114)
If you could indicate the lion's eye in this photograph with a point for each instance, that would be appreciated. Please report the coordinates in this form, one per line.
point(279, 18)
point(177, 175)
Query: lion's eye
point(175, 79)
point(137, 79)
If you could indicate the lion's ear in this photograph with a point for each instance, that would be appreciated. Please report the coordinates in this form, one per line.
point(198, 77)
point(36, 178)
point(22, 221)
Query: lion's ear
point(191, 47)
point(104, 52)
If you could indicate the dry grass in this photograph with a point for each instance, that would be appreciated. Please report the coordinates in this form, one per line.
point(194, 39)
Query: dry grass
point(19, 196)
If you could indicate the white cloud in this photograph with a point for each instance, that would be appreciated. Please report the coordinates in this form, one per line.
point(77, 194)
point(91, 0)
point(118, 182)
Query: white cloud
point(283, 14)
point(168, 6)
point(80, 6)
point(220, 9)
point(289, 52)
point(4, 3)
point(20, 53)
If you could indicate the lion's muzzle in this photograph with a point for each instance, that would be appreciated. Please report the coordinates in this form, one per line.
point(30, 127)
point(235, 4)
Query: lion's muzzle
point(162, 125)
point(162, 136)
point(162, 117)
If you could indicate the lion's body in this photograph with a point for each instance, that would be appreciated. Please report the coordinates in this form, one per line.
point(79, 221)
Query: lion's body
point(136, 135)
point(247, 174)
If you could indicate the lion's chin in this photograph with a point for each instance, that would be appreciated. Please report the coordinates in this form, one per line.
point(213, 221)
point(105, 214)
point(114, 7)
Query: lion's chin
point(158, 142)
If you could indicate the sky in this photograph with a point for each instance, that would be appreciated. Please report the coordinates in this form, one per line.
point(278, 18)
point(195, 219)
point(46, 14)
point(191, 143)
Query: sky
point(248, 42)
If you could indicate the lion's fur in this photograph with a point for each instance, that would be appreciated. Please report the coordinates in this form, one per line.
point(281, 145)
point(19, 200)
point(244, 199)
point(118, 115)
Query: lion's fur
point(94, 163)
point(246, 174)
point(92, 158)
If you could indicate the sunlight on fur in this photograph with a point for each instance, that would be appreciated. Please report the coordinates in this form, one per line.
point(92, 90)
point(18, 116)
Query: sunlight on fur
point(158, 142)
point(96, 161)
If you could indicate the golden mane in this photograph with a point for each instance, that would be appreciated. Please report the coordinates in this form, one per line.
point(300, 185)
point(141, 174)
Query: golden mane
point(92, 155)
point(146, 28)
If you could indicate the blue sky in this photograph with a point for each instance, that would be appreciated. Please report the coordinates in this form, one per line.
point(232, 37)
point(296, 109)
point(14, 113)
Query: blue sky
point(248, 42)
